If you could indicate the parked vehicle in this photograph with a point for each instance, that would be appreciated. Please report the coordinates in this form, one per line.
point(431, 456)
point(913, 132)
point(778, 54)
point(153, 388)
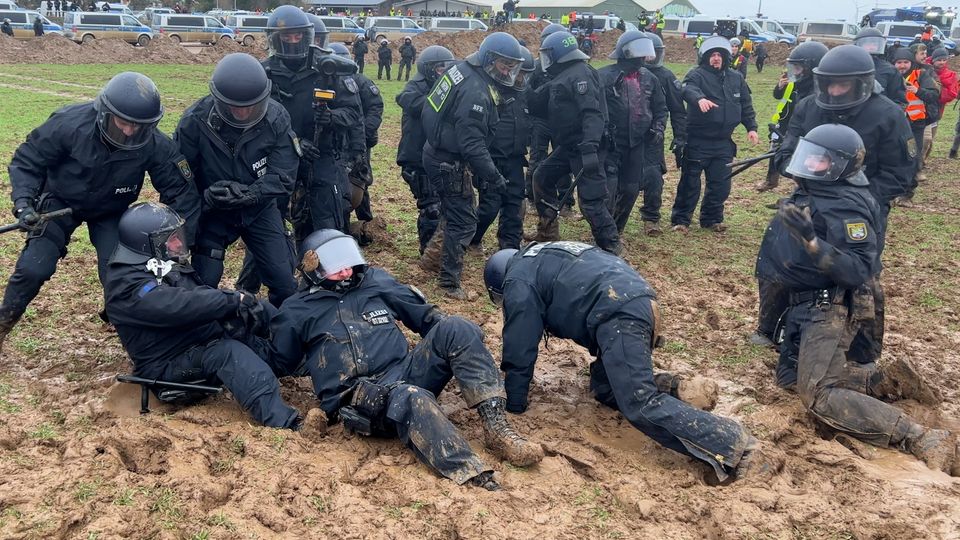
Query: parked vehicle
point(86, 26)
point(246, 28)
point(453, 24)
point(147, 17)
point(190, 28)
point(672, 26)
point(342, 29)
point(790, 27)
point(778, 31)
point(904, 32)
point(392, 28)
point(22, 23)
point(114, 8)
point(704, 26)
point(7, 5)
point(601, 23)
point(829, 32)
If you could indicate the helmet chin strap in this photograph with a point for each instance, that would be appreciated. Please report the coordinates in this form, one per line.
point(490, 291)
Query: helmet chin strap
point(159, 268)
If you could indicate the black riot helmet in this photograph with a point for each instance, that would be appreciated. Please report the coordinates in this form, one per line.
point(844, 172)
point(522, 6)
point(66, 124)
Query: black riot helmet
point(714, 44)
point(128, 109)
point(499, 56)
point(527, 68)
point(844, 78)
point(803, 58)
point(551, 28)
point(289, 33)
point(321, 35)
point(340, 49)
point(327, 252)
point(241, 90)
point(433, 61)
point(829, 153)
point(495, 272)
point(871, 40)
point(634, 45)
point(151, 231)
point(658, 47)
point(560, 48)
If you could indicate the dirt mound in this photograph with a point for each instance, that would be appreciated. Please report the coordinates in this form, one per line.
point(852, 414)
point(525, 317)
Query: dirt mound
point(163, 50)
point(49, 49)
point(213, 54)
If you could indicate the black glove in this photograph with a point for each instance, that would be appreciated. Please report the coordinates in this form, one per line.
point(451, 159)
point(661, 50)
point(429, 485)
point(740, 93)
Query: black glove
point(589, 159)
point(372, 140)
point(254, 316)
point(227, 195)
point(498, 184)
point(679, 149)
point(310, 150)
point(27, 216)
point(323, 117)
point(797, 220)
point(656, 136)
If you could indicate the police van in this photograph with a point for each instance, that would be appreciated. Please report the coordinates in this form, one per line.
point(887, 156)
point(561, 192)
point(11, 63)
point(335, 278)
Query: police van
point(454, 24)
point(828, 32)
point(22, 23)
point(246, 28)
point(86, 26)
point(5, 5)
point(392, 28)
point(190, 28)
point(704, 26)
point(778, 31)
point(904, 32)
point(342, 29)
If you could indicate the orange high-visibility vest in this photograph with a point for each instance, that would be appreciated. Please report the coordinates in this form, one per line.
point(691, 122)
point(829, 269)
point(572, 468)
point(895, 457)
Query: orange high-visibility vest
point(916, 109)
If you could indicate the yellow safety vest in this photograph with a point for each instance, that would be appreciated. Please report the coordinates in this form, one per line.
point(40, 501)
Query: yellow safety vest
point(784, 101)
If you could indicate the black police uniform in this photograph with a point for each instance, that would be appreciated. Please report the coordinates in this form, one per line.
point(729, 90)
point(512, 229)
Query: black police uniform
point(540, 141)
point(575, 291)
point(508, 150)
point(638, 116)
point(577, 115)
point(173, 331)
point(407, 55)
point(65, 163)
point(890, 80)
point(372, 104)
point(384, 60)
point(410, 157)
point(264, 156)
point(709, 143)
point(350, 340)
point(655, 163)
point(459, 116)
point(360, 50)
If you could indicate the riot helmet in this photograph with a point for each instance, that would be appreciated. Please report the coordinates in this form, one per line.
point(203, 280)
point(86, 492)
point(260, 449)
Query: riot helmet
point(560, 48)
point(526, 68)
point(551, 28)
point(289, 33)
point(327, 253)
point(803, 58)
point(844, 78)
point(495, 273)
point(152, 230)
point(871, 40)
point(128, 109)
point(240, 90)
point(340, 49)
point(321, 36)
point(433, 61)
point(659, 48)
point(829, 153)
point(634, 45)
point(714, 44)
point(499, 57)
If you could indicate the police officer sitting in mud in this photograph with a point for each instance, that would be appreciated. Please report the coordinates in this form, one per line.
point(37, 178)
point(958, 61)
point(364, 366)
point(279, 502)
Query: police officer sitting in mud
point(341, 328)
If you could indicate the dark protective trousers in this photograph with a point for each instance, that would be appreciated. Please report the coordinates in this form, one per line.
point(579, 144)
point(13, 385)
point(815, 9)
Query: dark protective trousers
point(236, 366)
point(539, 149)
point(328, 194)
point(591, 191)
point(265, 237)
point(507, 204)
point(380, 67)
point(358, 58)
point(630, 171)
point(459, 216)
point(428, 203)
point(45, 246)
point(404, 63)
point(622, 377)
point(653, 170)
point(774, 301)
point(917, 129)
point(711, 159)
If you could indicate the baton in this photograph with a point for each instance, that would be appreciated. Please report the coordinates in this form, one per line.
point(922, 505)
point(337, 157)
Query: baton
point(43, 219)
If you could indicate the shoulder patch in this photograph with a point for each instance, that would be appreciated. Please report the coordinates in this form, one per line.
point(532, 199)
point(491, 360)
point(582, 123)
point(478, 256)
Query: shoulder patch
point(455, 75)
point(912, 148)
point(857, 230)
point(573, 248)
point(581, 87)
point(147, 287)
point(374, 89)
point(677, 84)
point(440, 92)
point(351, 85)
point(184, 169)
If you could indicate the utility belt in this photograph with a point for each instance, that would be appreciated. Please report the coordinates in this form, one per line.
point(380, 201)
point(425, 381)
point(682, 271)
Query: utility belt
point(366, 407)
point(454, 178)
point(859, 301)
point(822, 298)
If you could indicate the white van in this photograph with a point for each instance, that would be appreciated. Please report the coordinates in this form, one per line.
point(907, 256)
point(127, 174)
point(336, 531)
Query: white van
point(903, 32)
point(392, 28)
point(704, 26)
point(342, 29)
point(190, 28)
point(601, 23)
point(7, 5)
point(672, 26)
point(246, 28)
point(22, 23)
point(86, 26)
point(829, 32)
point(774, 28)
point(454, 24)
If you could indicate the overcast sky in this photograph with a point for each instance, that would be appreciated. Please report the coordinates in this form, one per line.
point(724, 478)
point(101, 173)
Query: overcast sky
point(794, 10)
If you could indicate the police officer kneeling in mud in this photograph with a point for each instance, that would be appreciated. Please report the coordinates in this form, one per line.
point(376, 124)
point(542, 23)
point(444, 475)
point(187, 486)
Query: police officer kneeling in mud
point(576, 291)
point(822, 246)
point(341, 328)
point(177, 329)
point(90, 157)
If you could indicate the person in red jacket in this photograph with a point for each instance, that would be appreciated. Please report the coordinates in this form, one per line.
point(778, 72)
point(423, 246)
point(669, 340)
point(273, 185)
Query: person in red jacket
point(949, 90)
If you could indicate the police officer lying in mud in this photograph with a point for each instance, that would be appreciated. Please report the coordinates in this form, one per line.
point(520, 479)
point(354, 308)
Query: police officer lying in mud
point(341, 329)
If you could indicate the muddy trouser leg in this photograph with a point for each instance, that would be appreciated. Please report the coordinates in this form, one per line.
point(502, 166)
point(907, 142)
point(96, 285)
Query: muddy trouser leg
point(867, 345)
point(554, 167)
point(324, 194)
point(956, 137)
point(632, 169)
point(611, 168)
point(929, 133)
point(266, 238)
point(624, 350)
point(786, 372)
point(654, 167)
point(428, 204)
point(232, 363)
point(774, 300)
point(214, 235)
point(459, 218)
point(688, 192)
point(718, 183)
point(104, 235)
point(489, 206)
point(510, 227)
point(822, 376)
point(364, 212)
point(592, 195)
point(918, 162)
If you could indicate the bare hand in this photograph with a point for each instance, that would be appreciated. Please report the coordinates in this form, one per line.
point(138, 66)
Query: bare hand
point(753, 138)
point(782, 83)
point(912, 88)
point(705, 105)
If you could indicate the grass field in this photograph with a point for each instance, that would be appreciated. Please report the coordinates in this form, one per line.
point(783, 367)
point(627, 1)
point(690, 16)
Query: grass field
point(56, 369)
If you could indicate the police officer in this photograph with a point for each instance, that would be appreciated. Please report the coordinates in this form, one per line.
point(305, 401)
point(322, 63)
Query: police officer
point(824, 245)
point(874, 42)
point(384, 59)
point(577, 115)
point(90, 157)
point(434, 60)
point(360, 50)
point(718, 99)
point(575, 291)
point(458, 118)
point(638, 117)
point(245, 155)
point(6, 28)
point(343, 330)
point(509, 153)
point(408, 53)
point(175, 328)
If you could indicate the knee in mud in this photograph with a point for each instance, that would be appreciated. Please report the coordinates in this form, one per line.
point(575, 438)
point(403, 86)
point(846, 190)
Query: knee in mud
point(406, 399)
point(455, 330)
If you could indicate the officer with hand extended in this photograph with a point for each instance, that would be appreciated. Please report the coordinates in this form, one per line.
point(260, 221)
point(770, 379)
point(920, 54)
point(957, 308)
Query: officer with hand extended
point(638, 118)
point(245, 155)
point(575, 291)
point(459, 116)
point(823, 246)
point(91, 157)
point(574, 105)
point(343, 330)
point(176, 329)
point(718, 99)
point(433, 62)
point(875, 43)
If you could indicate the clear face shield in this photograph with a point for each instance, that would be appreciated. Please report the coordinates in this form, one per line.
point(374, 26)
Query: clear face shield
point(657, 60)
point(321, 39)
point(872, 44)
point(290, 44)
point(170, 245)
point(811, 161)
point(242, 117)
point(638, 49)
point(502, 69)
point(836, 92)
point(796, 71)
point(124, 134)
point(330, 258)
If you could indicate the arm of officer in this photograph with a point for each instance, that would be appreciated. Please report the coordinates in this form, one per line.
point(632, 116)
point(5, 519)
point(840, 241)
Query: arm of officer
point(286, 343)
point(849, 251)
point(187, 136)
point(472, 114)
point(896, 90)
point(162, 306)
point(678, 114)
point(523, 313)
point(372, 110)
point(28, 169)
point(658, 106)
point(283, 160)
point(411, 100)
point(748, 117)
point(590, 108)
point(410, 305)
point(172, 177)
point(690, 91)
point(895, 159)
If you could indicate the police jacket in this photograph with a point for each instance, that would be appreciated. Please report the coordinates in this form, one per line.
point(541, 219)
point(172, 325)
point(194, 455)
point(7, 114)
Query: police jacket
point(801, 89)
point(360, 47)
point(264, 156)
point(411, 100)
point(158, 321)
point(671, 90)
point(350, 334)
point(67, 157)
point(385, 54)
point(294, 90)
point(512, 134)
point(635, 102)
point(372, 103)
point(891, 81)
point(459, 116)
point(408, 52)
point(885, 130)
point(726, 88)
point(566, 289)
point(572, 102)
point(845, 219)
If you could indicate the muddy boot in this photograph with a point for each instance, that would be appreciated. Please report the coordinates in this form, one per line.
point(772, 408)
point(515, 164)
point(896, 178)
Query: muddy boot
point(475, 249)
point(652, 228)
point(756, 465)
point(502, 440)
point(566, 212)
point(485, 480)
point(954, 148)
point(761, 340)
point(456, 292)
point(935, 447)
point(312, 426)
point(899, 379)
point(699, 392)
point(365, 238)
point(547, 231)
point(6, 325)
point(615, 248)
point(432, 258)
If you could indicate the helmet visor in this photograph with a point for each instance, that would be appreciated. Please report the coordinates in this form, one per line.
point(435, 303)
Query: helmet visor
point(795, 71)
point(243, 116)
point(322, 39)
point(838, 92)
point(290, 43)
point(338, 254)
point(123, 133)
point(170, 245)
point(814, 162)
point(502, 69)
point(872, 44)
point(639, 48)
point(658, 59)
